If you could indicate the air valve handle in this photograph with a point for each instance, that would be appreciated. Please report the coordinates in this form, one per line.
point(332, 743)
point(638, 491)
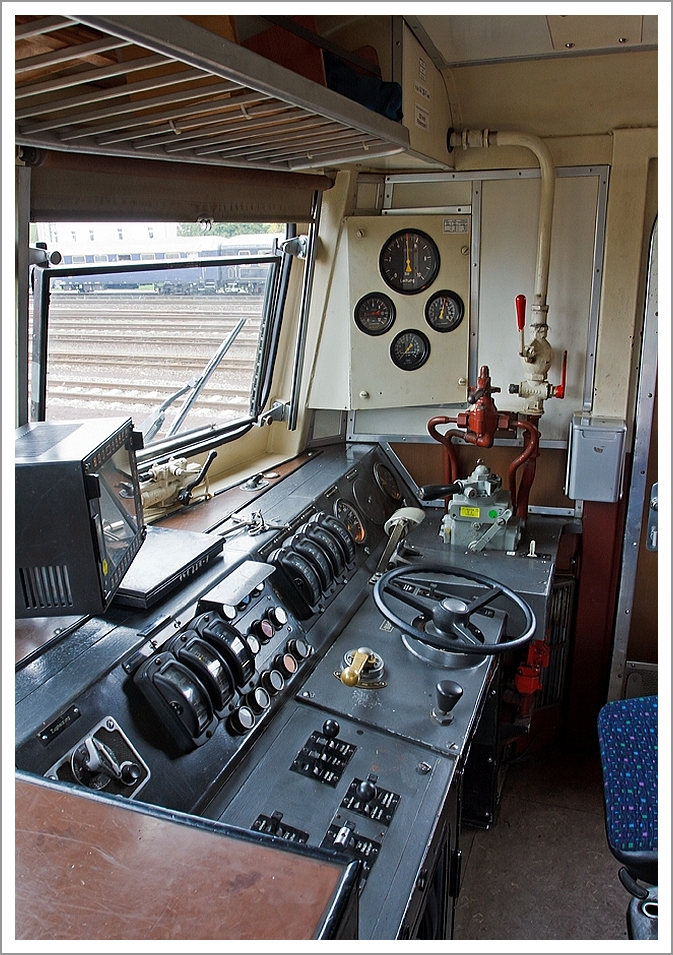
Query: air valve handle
point(430, 492)
point(520, 304)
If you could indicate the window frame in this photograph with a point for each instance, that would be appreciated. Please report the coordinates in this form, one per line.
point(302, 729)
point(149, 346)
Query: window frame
point(195, 440)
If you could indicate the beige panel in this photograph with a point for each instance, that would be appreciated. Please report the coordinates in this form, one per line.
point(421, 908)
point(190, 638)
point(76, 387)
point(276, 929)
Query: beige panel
point(372, 370)
point(426, 107)
point(508, 252)
point(550, 97)
point(592, 33)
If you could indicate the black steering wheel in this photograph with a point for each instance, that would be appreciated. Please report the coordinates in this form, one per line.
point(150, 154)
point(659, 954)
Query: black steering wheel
point(448, 618)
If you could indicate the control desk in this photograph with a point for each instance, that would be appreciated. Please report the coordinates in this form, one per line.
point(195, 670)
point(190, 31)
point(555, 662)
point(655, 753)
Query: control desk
point(297, 689)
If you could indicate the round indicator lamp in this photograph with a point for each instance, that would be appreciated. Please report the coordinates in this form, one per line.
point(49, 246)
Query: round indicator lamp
point(410, 350)
point(374, 314)
point(444, 311)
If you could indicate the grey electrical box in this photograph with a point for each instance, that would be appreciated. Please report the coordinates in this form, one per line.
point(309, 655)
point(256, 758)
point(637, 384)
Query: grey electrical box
point(596, 456)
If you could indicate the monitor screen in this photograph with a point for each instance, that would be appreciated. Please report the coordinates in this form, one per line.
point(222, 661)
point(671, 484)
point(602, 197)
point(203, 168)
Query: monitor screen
point(79, 520)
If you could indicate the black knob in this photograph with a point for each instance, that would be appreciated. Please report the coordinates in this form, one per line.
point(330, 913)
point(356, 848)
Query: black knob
point(448, 693)
point(365, 790)
point(130, 773)
point(331, 729)
point(514, 389)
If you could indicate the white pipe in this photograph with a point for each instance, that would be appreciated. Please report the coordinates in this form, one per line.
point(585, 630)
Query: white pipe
point(474, 138)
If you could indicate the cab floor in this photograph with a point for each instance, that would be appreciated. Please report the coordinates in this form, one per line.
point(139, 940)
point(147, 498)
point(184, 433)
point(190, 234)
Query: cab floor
point(544, 870)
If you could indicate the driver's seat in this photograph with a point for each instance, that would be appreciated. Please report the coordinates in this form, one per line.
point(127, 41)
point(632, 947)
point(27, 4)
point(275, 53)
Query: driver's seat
point(627, 734)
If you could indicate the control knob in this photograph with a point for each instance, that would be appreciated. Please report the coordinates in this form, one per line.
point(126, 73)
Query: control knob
point(447, 694)
point(241, 720)
point(277, 617)
point(273, 681)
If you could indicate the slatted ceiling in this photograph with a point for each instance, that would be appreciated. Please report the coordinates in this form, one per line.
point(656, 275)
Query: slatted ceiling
point(132, 86)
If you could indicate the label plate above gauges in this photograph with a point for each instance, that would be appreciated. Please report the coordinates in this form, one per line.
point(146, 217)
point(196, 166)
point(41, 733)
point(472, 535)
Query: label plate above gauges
point(374, 314)
point(444, 311)
point(409, 261)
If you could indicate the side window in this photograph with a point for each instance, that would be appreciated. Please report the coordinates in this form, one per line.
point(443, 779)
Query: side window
point(176, 338)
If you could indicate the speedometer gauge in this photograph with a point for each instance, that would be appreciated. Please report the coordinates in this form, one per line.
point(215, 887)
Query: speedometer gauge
point(350, 517)
point(374, 314)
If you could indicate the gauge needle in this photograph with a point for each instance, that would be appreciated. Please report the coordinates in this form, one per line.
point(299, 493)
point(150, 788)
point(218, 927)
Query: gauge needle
point(408, 348)
point(408, 266)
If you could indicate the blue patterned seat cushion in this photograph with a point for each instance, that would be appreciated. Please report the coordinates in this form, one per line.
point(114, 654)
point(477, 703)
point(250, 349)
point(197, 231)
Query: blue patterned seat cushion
point(627, 733)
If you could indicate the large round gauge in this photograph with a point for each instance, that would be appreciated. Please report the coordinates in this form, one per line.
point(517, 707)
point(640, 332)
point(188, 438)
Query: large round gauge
point(387, 481)
point(374, 314)
point(444, 311)
point(409, 261)
point(350, 517)
point(410, 350)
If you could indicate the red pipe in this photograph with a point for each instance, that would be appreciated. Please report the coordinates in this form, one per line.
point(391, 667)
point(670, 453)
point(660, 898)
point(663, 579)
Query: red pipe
point(528, 457)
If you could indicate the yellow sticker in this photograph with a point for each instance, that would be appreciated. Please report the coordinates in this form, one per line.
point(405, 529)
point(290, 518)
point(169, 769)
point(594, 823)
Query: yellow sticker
point(105, 566)
point(470, 511)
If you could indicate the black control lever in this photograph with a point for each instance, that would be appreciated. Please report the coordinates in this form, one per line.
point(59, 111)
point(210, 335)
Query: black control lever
point(185, 494)
point(447, 694)
point(430, 492)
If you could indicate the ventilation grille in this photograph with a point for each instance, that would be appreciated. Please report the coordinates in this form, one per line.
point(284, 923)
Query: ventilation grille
point(559, 623)
point(45, 587)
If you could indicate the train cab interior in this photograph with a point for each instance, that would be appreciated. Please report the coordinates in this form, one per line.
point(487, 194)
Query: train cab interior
point(335, 350)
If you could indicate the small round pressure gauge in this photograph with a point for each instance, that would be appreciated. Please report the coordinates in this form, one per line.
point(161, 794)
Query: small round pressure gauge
point(410, 350)
point(444, 311)
point(374, 314)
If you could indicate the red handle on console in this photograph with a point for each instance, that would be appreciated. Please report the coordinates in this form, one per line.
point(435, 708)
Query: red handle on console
point(560, 390)
point(520, 302)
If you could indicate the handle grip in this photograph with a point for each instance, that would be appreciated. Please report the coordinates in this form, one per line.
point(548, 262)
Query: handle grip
point(520, 303)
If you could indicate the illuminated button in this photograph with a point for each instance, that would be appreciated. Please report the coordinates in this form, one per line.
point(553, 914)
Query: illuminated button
point(286, 663)
point(273, 681)
point(263, 629)
point(299, 649)
point(277, 616)
point(253, 643)
point(258, 699)
point(241, 720)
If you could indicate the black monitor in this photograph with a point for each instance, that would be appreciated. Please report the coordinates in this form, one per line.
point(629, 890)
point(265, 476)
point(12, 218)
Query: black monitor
point(79, 520)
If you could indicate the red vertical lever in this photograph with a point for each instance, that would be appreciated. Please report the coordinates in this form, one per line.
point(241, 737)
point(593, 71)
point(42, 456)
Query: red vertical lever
point(520, 302)
point(560, 390)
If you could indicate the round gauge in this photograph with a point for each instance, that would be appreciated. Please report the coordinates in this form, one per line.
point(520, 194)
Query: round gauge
point(387, 481)
point(374, 314)
point(410, 350)
point(444, 311)
point(350, 517)
point(409, 261)
point(368, 499)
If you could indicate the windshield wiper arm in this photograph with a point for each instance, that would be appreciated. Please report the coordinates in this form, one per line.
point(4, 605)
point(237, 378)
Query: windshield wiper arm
point(154, 422)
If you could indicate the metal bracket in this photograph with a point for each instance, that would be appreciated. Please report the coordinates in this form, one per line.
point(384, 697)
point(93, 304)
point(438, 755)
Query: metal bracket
point(279, 411)
point(297, 246)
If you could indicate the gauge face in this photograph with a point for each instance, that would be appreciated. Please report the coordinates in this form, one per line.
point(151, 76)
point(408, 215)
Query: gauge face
point(409, 261)
point(387, 481)
point(410, 350)
point(374, 314)
point(350, 517)
point(444, 311)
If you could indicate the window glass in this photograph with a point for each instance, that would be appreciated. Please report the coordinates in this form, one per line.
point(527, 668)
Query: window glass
point(178, 348)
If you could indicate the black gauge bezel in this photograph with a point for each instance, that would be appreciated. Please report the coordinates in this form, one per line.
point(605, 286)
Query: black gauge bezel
point(388, 482)
point(416, 363)
point(359, 321)
point(394, 283)
point(458, 302)
point(342, 502)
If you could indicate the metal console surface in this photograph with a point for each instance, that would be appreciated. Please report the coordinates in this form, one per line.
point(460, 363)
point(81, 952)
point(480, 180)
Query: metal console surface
point(385, 788)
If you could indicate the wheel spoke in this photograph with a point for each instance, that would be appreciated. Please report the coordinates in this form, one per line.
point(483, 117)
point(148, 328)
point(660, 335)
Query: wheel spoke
point(484, 599)
point(411, 599)
point(468, 633)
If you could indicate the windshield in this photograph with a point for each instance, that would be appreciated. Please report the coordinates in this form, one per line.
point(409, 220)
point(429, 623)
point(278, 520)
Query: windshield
point(164, 327)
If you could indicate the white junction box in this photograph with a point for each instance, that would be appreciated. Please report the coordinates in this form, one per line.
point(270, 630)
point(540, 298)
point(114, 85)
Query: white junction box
point(596, 457)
